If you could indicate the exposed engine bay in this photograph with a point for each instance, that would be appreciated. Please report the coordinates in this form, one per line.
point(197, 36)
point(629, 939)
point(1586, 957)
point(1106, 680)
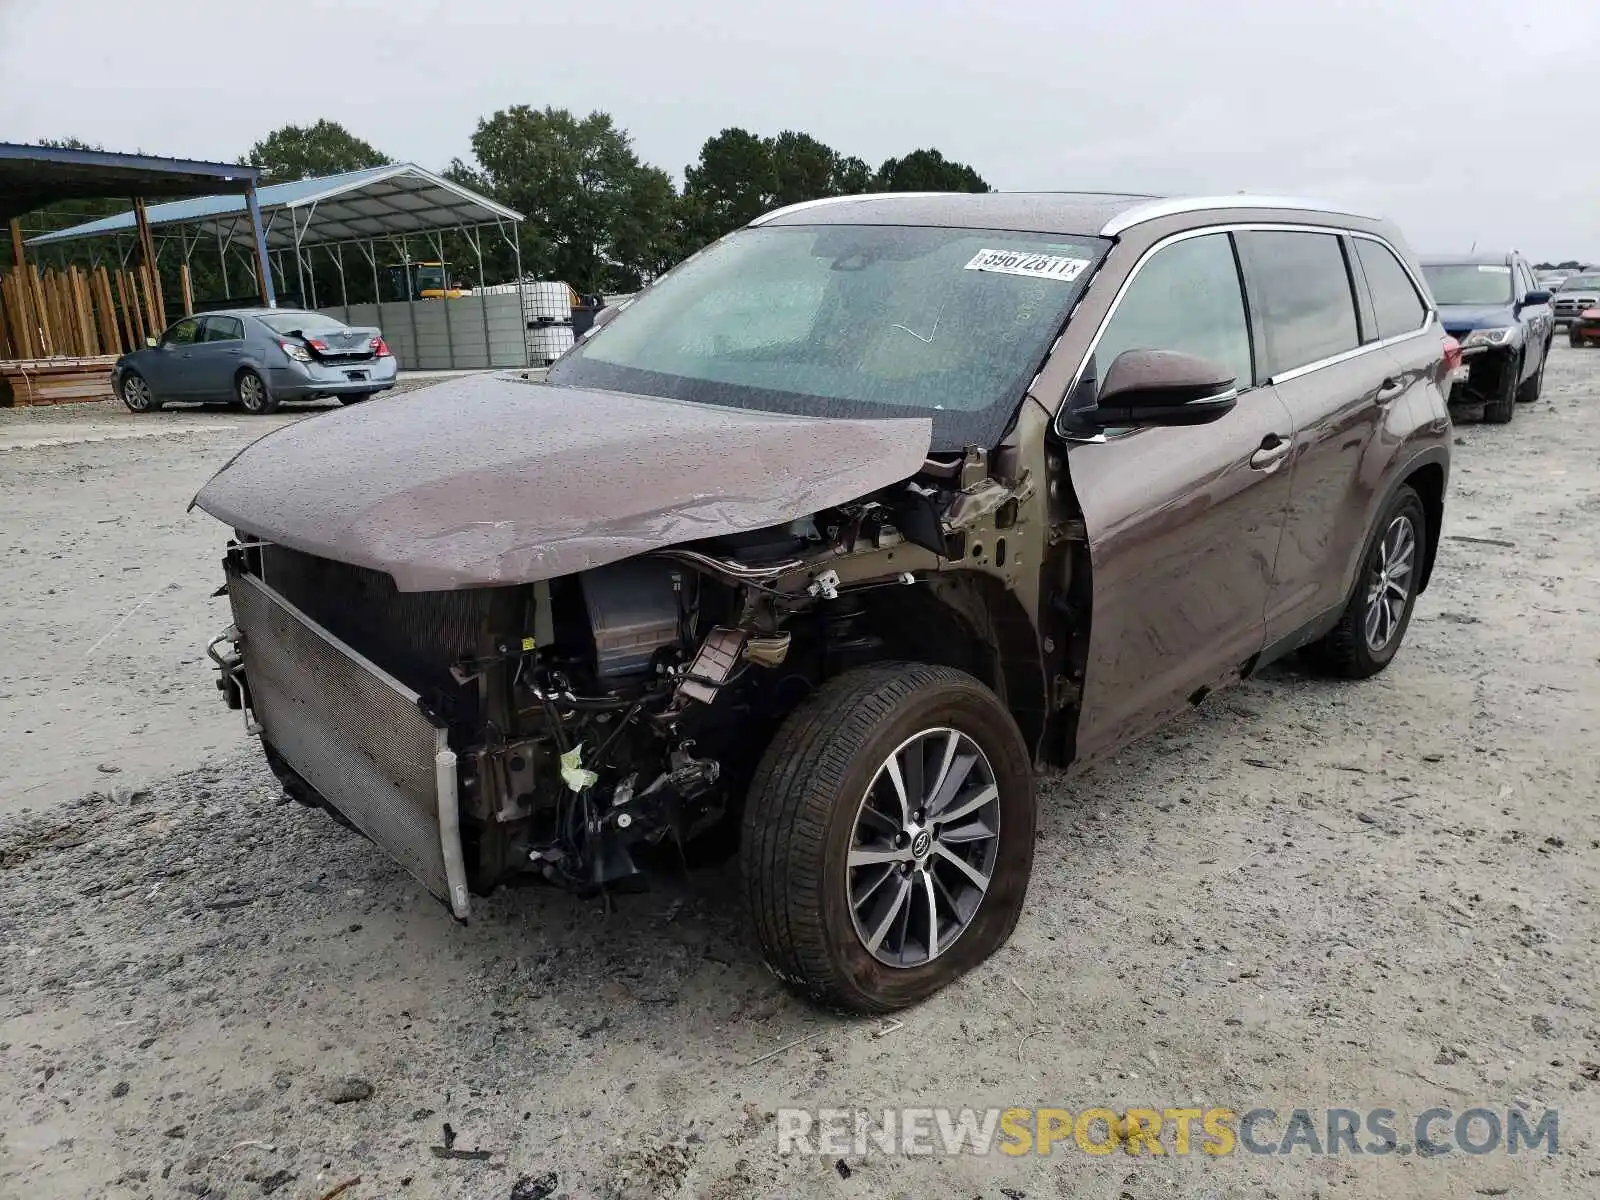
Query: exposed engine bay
point(607, 722)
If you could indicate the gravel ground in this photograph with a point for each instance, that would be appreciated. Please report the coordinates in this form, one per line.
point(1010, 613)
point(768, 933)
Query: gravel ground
point(1304, 894)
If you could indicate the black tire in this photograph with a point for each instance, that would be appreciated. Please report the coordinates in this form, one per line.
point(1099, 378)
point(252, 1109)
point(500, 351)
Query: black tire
point(800, 825)
point(136, 395)
point(1574, 338)
point(1503, 406)
point(250, 392)
point(1529, 391)
point(1345, 651)
point(354, 397)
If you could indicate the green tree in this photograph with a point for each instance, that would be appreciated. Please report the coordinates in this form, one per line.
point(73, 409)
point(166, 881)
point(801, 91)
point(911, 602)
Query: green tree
point(305, 152)
point(851, 176)
point(731, 185)
point(598, 218)
point(802, 168)
point(928, 171)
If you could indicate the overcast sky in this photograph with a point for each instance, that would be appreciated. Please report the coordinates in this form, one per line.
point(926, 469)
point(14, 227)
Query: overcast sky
point(1456, 118)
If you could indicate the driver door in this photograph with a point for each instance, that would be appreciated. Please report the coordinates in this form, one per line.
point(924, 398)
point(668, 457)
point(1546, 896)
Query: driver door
point(1183, 522)
point(167, 369)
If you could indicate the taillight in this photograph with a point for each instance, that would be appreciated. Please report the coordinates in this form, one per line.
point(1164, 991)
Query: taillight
point(295, 350)
point(317, 344)
point(381, 348)
point(1452, 354)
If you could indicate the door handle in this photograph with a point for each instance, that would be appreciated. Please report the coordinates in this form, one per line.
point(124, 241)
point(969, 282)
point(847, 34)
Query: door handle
point(1389, 389)
point(1274, 450)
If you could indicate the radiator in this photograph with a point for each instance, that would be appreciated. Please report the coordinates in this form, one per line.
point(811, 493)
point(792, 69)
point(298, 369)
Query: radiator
point(355, 733)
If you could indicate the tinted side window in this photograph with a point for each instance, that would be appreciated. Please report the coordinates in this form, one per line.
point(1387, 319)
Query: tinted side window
point(1394, 297)
point(1185, 297)
point(183, 333)
point(1301, 285)
point(223, 329)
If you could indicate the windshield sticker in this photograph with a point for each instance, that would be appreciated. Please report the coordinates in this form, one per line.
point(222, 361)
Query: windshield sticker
point(1024, 262)
point(1491, 269)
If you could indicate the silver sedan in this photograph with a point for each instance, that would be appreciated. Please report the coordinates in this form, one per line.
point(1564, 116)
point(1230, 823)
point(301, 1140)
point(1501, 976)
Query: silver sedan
point(256, 359)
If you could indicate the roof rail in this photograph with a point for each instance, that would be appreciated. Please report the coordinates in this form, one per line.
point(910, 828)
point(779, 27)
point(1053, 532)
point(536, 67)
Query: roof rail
point(1140, 213)
point(804, 204)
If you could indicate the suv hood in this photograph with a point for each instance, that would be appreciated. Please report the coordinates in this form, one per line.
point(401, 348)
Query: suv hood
point(1465, 317)
point(489, 480)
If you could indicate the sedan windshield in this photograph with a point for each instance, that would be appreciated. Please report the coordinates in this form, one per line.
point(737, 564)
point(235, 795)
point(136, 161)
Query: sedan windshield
point(849, 321)
point(1469, 283)
point(302, 322)
point(1586, 283)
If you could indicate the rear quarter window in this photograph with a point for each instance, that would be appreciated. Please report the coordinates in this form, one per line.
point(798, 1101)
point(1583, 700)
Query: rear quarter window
point(1395, 302)
point(1300, 285)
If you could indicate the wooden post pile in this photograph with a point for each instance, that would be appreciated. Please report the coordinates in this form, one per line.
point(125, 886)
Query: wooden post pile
point(61, 330)
point(76, 312)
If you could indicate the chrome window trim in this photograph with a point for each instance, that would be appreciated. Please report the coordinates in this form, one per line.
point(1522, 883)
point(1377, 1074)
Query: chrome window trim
point(1422, 289)
point(1429, 318)
point(1177, 206)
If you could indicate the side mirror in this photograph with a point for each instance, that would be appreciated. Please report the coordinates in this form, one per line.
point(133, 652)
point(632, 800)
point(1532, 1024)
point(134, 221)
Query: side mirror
point(1533, 298)
point(605, 316)
point(151, 342)
point(1161, 387)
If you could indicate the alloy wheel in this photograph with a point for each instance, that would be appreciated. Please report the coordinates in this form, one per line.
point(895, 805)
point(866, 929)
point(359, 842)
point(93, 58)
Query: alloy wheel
point(251, 392)
point(136, 393)
point(1389, 582)
point(923, 848)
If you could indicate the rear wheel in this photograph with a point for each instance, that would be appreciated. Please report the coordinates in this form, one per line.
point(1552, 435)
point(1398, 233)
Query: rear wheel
point(136, 394)
point(888, 836)
point(1375, 619)
point(1503, 406)
point(251, 394)
point(1574, 338)
point(354, 397)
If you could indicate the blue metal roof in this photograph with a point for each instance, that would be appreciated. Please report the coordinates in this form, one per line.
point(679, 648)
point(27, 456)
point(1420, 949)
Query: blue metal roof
point(375, 202)
point(33, 176)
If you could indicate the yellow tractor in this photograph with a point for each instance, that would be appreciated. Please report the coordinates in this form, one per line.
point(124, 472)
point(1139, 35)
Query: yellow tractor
point(427, 281)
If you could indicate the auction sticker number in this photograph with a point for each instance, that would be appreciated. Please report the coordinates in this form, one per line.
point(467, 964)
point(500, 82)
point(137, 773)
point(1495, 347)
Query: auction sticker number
point(1025, 262)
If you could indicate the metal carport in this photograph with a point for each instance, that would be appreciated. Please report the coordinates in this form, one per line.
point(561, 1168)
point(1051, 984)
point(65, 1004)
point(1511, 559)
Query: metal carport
point(387, 203)
point(60, 328)
point(393, 204)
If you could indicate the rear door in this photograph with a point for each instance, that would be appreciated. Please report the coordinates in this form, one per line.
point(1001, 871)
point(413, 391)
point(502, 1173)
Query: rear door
point(1342, 388)
point(1183, 523)
point(216, 356)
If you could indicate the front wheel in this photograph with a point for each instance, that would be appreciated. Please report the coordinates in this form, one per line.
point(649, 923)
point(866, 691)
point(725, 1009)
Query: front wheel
point(136, 394)
point(1375, 620)
point(1529, 391)
point(251, 394)
point(888, 836)
point(1503, 405)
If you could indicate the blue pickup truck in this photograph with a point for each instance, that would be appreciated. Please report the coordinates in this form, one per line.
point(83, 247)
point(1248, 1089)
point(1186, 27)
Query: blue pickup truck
point(1504, 322)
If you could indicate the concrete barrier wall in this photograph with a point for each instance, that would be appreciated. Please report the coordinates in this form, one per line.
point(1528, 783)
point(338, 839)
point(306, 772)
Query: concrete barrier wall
point(437, 335)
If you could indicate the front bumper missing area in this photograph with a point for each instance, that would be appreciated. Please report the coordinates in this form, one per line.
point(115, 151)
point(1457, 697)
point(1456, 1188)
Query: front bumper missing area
point(354, 732)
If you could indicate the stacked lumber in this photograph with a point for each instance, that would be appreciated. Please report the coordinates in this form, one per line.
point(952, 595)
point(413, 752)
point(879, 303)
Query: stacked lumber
point(76, 312)
point(55, 380)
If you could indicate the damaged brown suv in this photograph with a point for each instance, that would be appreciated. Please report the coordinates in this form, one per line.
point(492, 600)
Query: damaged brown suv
point(830, 540)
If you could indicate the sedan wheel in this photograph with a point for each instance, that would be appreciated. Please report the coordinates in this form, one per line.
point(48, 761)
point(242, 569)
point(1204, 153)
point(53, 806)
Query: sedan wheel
point(252, 394)
point(136, 394)
point(926, 837)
